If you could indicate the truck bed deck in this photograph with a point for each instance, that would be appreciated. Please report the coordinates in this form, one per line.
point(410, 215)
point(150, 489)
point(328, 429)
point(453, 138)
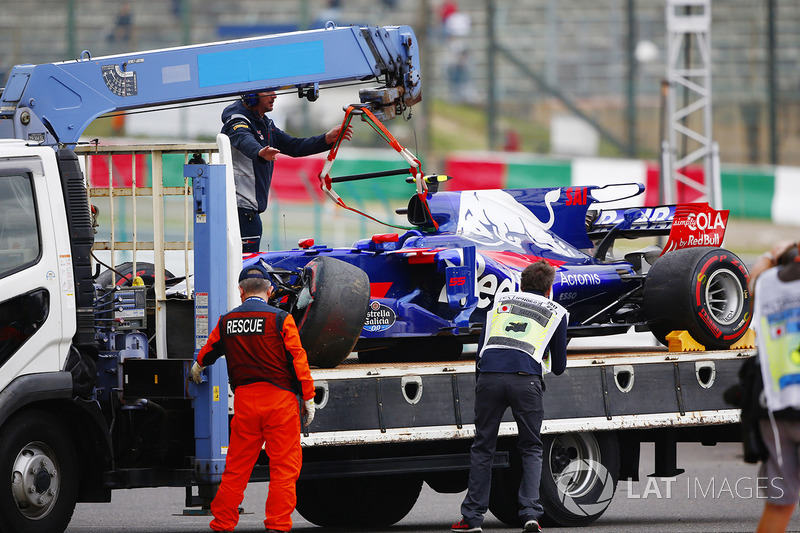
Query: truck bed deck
point(601, 389)
point(576, 357)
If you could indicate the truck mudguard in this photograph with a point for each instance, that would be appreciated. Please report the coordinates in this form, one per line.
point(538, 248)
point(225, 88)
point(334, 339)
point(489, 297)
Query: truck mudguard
point(32, 388)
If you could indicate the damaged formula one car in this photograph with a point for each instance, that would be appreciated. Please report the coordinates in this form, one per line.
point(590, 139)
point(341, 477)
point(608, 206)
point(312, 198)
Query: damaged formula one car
point(421, 295)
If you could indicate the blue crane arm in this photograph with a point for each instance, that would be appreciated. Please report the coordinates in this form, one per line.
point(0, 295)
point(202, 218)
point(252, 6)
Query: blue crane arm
point(55, 102)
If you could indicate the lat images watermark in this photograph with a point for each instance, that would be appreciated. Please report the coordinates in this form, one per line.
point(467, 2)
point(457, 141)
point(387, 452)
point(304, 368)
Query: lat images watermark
point(585, 487)
point(745, 487)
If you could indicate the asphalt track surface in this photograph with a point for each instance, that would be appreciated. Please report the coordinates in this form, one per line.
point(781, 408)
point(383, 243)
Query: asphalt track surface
point(715, 494)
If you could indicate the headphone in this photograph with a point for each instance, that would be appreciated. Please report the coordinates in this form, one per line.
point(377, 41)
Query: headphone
point(250, 99)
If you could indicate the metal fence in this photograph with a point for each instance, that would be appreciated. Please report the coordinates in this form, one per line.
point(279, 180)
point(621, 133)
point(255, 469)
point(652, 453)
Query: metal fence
point(601, 55)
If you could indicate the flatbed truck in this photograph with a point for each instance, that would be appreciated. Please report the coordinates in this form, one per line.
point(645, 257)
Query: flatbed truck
point(94, 394)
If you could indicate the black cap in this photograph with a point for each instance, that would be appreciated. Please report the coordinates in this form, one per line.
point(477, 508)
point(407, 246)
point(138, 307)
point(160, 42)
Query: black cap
point(256, 270)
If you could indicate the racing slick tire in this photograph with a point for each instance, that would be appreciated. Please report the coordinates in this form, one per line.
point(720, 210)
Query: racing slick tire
point(700, 290)
point(124, 274)
point(357, 502)
point(40, 468)
point(333, 319)
point(579, 477)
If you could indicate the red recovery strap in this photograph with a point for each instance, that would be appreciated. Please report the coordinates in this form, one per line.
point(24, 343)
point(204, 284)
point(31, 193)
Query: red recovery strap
point(326, 183)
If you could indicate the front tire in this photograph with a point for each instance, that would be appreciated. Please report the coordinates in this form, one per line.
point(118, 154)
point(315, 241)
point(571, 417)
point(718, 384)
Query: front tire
point(39, 464)
point(700, 290)
point(331, 323)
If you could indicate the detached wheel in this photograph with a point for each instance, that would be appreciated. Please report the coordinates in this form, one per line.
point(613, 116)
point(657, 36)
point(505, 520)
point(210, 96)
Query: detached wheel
point(39, 466)
point(700, 290)
point(331, 323)
point(349, 502)
point(125, 273)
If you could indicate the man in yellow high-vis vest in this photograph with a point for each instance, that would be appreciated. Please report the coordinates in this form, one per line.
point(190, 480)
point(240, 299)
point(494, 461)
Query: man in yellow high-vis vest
point(525, 336)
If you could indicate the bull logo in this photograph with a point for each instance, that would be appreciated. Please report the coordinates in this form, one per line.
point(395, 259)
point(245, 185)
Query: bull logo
point(517, 327)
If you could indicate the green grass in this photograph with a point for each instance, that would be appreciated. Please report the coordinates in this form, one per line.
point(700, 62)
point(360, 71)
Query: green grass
point(460, 127)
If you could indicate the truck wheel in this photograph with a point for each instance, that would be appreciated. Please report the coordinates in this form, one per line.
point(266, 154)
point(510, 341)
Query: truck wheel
point(41, 475)
point(331, 323)
point(350, 502)
point(316, 505)
point(700, 290)
point(579, 477)
point(449, 482)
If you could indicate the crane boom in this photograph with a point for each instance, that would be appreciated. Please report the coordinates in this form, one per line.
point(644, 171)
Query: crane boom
point(55, 102)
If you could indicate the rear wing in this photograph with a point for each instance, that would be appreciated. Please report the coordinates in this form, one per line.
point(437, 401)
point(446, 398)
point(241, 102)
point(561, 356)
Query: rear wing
point(653, 221)
point(688, 225)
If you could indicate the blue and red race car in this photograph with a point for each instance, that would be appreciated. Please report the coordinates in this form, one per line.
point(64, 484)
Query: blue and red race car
point(423, 294)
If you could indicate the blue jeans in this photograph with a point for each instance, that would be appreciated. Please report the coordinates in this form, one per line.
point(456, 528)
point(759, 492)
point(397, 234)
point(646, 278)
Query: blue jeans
point(494, 392)
point(250, 228)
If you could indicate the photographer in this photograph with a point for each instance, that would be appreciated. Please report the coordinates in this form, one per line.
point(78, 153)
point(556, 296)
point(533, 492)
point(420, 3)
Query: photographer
point(775, 283)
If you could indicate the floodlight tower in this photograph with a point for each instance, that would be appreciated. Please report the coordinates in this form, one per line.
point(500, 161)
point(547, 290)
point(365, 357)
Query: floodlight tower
point(689, 136)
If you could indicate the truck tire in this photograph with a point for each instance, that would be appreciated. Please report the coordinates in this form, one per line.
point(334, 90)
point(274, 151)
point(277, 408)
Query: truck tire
point(448, 482)
point(579, 477)
point(700, 290)
point(357, 502)
point(39, 463)
point(331, 323)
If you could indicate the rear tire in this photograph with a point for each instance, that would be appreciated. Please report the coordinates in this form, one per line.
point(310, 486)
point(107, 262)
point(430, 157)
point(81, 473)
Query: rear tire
point(366, 501)
point(39, 464)
point(700, 290)
point(449, 482)
point(331, 324)
point(503, 495)
point(579, 477)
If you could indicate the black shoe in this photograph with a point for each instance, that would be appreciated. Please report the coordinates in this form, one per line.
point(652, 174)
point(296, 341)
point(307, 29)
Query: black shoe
point(532, 525)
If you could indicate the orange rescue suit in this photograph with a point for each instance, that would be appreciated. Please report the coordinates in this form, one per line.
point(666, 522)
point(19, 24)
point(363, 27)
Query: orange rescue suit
point(267, 368)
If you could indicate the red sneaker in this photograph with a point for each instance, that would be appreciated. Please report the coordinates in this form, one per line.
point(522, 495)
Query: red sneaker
point(462, 527)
